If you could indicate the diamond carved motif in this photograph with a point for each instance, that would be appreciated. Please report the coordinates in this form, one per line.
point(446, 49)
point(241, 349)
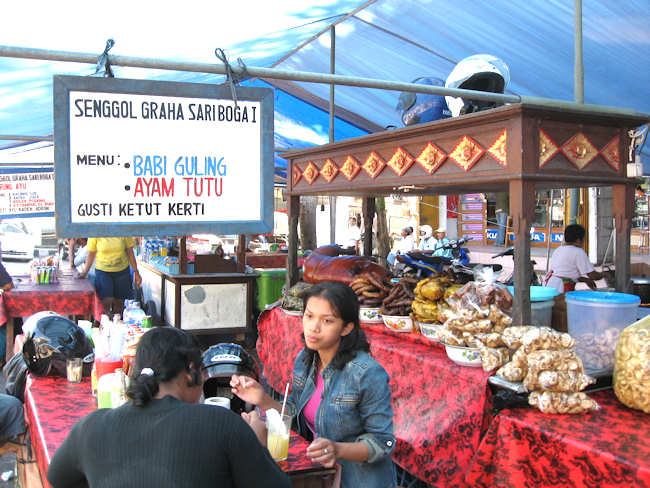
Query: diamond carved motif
point(350, 168)
point(374, 165)
point(431, 158)
point(466, 153)
point(296, 175)
point(547, 148)
point(579, 150)
point(310, 173)
point(400, 162)
point(498, 149)
point(611, 153)
point(329, 170)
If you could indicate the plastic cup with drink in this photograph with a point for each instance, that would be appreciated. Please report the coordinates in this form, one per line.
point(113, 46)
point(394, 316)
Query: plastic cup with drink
point(278, 433)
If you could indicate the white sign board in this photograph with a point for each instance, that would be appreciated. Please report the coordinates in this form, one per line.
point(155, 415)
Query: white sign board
point(26, 193)
point(152, 159)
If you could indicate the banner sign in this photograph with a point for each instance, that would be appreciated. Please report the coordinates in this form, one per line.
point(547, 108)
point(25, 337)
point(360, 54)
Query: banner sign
point(26, 192)
point(139, 157)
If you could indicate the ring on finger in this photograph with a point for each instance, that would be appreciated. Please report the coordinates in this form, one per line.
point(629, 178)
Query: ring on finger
point(325, 450)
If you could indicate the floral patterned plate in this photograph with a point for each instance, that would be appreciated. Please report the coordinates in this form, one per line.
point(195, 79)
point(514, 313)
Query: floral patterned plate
point(370, 315)
point(398, 323)
point(464, 356)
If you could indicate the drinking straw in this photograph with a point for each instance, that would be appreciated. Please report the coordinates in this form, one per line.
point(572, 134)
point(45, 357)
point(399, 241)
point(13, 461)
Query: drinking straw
point(284, 402)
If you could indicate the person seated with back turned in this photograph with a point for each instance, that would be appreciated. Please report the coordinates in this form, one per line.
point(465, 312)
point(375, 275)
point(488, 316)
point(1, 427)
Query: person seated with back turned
point(162, 437)
point(570, 263)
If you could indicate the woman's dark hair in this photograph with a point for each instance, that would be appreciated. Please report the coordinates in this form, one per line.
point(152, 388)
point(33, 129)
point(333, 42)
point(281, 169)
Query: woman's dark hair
point(573, 232)
point(166, 351)
point(346, 306)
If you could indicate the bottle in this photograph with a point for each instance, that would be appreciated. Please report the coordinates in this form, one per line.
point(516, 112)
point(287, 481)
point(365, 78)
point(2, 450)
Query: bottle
point(136, 313)
point(93, 381)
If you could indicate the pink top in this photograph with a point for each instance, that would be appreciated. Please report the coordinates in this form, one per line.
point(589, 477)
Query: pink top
point(311, 407)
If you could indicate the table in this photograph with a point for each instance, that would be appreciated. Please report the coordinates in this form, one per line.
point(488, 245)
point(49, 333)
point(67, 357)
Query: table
point(53, 406)
point(440, 409)
point(70, 296)
point(526, 448)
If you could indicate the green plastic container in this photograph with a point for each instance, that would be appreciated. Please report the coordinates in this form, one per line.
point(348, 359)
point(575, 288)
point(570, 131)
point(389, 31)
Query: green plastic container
point(269, 285)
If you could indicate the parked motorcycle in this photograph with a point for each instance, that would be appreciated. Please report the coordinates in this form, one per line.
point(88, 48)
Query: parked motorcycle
point(534, 279)
point(425, 264)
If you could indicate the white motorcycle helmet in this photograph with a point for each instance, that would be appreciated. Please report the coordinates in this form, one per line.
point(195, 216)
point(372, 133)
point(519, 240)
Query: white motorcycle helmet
point(481, 72)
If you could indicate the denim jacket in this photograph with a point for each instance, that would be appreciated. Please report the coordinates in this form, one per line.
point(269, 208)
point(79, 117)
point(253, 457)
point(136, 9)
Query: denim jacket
point(355, 407)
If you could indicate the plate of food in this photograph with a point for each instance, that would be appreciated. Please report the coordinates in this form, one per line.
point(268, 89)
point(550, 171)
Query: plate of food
point(370, 315)
point(464, 356)
point(398, 323)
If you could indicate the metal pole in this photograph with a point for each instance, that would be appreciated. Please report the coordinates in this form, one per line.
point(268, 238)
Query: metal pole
point(332, 199)
point(305, 76)
point(578, 87)
point(27, 138)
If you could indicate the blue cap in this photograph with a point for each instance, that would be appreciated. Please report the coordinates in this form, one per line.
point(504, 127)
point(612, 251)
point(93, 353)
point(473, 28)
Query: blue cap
point(603, 296)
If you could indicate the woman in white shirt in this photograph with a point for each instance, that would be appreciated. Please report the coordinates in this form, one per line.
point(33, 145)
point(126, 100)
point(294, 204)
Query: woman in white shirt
point(407, 244)
point(570, 263)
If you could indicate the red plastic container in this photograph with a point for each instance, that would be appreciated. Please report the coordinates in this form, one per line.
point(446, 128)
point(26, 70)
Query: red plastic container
point(106, 367)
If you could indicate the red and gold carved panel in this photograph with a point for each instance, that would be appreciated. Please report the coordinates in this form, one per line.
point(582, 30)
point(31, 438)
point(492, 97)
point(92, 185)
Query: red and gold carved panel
point(579, 150)
point(431, 158)
point(350, 168)
point(374, 165)
point(466, 153)
point(400, 162)
point(611, 153)
point(329, 170)
point(547, 148)
point(498, 149)
point(310, 173)
point(296, 175)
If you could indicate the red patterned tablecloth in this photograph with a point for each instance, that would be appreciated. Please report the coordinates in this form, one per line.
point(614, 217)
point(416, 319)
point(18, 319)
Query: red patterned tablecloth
point(70, 296)
point(526, 448)
point(440, 409)
point(53, 406)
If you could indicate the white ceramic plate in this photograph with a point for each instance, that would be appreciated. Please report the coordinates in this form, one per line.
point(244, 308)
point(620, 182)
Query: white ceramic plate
point(464, 356)
point(370, 315)
point(398, 323)
point(429, 331)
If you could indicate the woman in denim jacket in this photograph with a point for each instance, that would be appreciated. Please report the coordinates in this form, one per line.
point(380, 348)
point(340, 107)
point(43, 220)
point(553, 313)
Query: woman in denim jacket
point(340, 396)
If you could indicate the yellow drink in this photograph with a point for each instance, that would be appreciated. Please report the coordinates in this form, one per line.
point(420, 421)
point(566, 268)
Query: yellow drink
point(278, 445)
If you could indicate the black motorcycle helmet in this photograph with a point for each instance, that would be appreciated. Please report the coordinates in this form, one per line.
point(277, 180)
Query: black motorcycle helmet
point(51, 339)
point(220, 362)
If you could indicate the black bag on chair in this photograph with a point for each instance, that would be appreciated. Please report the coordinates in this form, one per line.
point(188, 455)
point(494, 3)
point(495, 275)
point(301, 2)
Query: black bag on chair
point(15, 373)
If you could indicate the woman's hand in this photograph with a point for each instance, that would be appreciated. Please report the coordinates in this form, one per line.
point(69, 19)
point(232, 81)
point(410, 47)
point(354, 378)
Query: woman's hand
point(323, 451)
point(257, 424)
point(247, 389)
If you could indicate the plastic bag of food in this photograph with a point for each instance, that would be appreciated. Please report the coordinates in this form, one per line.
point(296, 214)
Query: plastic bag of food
point(559, 360)
point(493, 358)
point(558, 381)
point(451, 337)
point(512, 335)
point(512, 372)
point(546, 338)
point(489, 291)
point(553, 402)
point(490, 339)
point(632, 367)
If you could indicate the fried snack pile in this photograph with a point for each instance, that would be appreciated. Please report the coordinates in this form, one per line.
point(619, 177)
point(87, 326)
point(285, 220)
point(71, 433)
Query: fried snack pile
point(546, 362)
point(370, 290)
point(399, 298)
point(430, 298)
point(632, 368)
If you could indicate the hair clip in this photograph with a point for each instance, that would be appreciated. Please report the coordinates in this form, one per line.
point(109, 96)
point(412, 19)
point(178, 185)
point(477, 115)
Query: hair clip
point(147, 371)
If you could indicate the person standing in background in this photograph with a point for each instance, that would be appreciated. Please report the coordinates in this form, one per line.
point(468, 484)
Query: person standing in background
point(353, 234)
point(112, 274)
point(501, 211)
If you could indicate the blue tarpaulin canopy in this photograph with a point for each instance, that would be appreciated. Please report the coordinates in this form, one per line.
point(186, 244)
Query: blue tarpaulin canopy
point(401, 41)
